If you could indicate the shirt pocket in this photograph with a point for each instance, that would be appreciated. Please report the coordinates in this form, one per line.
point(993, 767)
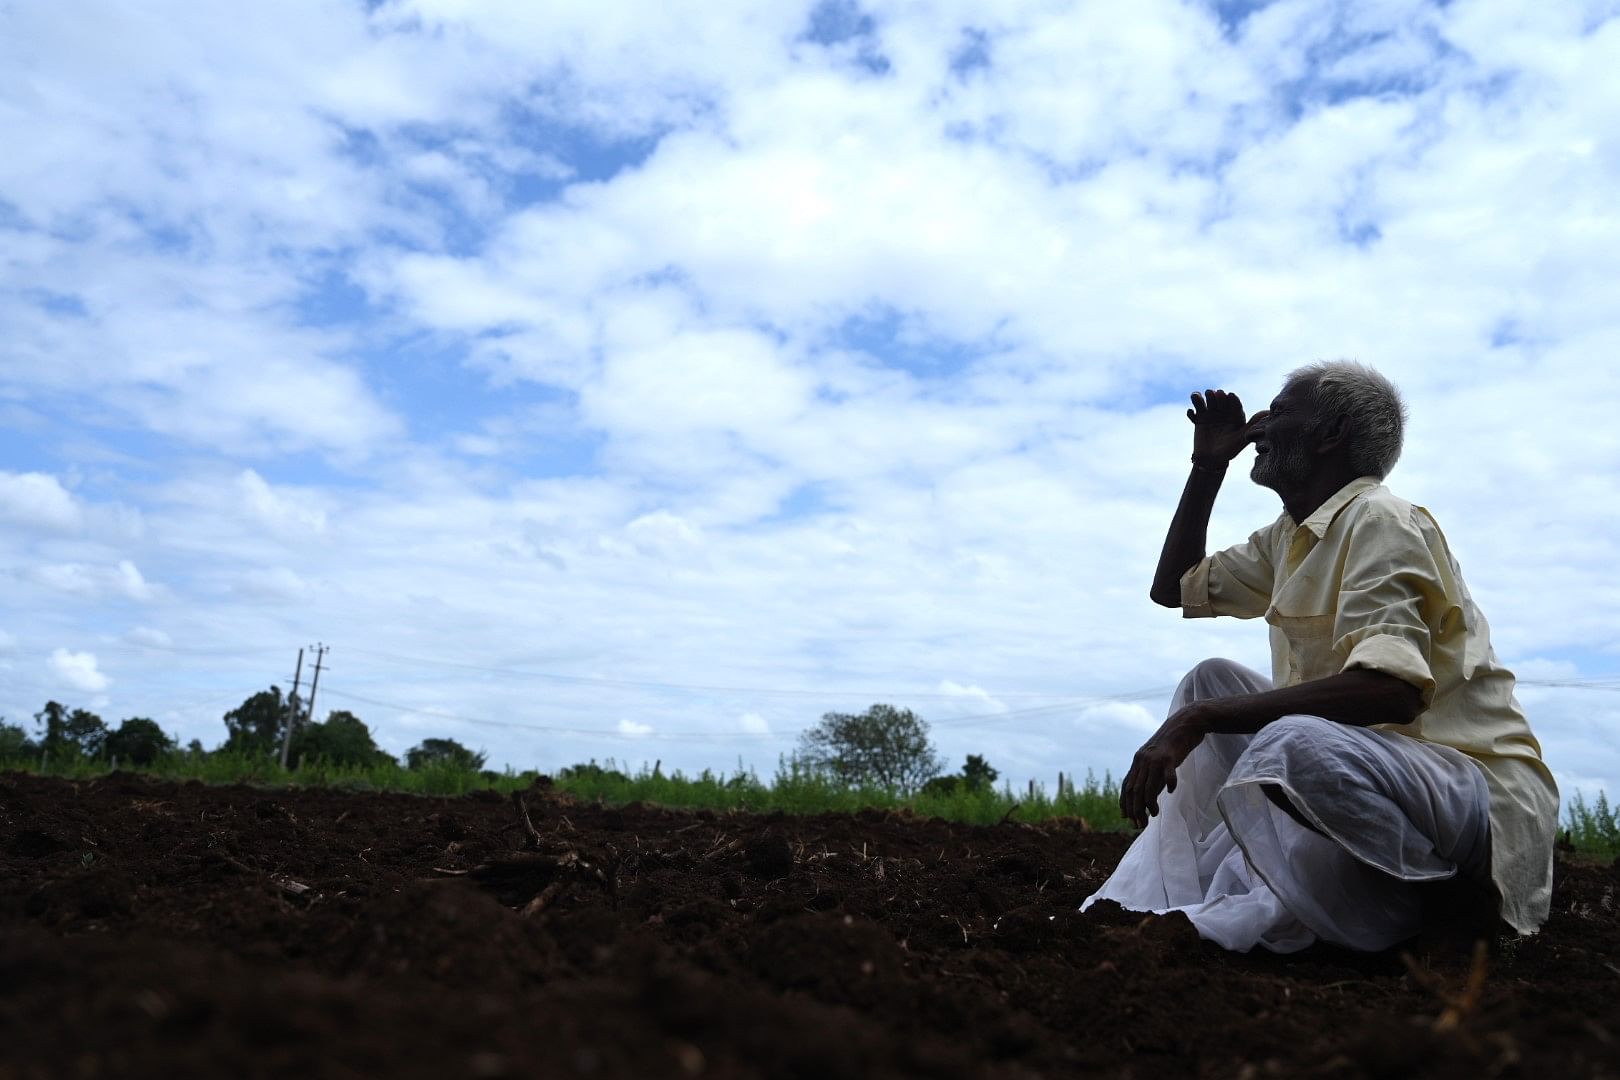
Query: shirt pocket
point(1309, 638)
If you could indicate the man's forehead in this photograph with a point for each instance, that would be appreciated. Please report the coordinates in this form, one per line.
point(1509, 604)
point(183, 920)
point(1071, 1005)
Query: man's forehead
point(1292, 392)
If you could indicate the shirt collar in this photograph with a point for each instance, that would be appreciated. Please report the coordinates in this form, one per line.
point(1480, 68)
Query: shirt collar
point(1319, 521)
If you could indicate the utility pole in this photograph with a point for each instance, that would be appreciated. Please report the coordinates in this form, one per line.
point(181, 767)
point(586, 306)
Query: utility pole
point(292, 709)
point(320, 654)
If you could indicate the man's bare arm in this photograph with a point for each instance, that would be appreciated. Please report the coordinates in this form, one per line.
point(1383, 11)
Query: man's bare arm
point(1360, 698)
point(1220, 433)
point(1184, 545)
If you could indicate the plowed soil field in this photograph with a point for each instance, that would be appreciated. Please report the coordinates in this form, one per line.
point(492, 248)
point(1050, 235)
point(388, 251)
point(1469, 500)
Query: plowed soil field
point(181, 930)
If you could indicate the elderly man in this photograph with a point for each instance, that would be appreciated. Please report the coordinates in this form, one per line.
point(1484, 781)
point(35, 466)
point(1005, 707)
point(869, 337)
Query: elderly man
point(1385, 751)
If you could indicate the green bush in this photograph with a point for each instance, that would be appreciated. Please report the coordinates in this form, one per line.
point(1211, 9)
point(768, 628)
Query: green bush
point(1594, 827)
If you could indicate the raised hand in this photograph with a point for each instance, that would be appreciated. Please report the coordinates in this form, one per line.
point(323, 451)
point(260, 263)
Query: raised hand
point(1220, 430)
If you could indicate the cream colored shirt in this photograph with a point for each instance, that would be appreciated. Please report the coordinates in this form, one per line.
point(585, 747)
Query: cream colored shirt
point(1367, 581)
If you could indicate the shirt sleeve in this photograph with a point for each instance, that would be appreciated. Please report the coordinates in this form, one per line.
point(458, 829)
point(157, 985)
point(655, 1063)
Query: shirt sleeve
point(1235, 582)
point(1391, 594)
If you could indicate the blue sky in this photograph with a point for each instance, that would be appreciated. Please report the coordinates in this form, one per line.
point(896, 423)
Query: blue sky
point(646, 380)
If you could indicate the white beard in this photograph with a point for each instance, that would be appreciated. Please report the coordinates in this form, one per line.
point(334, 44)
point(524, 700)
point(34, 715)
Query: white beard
point(1280, 468)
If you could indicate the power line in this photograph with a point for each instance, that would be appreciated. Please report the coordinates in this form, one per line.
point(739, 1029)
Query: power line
point(1553, 683)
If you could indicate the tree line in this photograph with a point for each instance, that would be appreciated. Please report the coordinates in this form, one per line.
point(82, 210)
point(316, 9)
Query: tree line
point(883, 747)
point(257, 726)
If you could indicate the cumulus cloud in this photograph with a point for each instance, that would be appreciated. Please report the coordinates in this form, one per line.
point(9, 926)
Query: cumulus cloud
point(280, 512)
point(37, 500)
point(78, 670)
point(753, 723)
point(131, 582)
point(147, 636)
point(661, 533)
point(66, 577)
point(122, 579)
point(634, 728)
point(276, 583)
point(1128, 717)
point(970, 698)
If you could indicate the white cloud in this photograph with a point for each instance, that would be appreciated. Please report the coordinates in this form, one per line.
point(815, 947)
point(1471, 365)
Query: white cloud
point(78, 670)
point(282, 513)
point(152, 638)
point(662, 533)
point(1124, 717)
point(124, 579)
point(66, 577)
point(272, 583)
point(753, 723)
point(971, 699)
point(37, 500)
point(131, 582)
point(634, 729)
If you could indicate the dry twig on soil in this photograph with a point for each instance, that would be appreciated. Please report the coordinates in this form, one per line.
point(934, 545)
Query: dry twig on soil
point(1458, 1006)
point(545, 898)
point(531, 834)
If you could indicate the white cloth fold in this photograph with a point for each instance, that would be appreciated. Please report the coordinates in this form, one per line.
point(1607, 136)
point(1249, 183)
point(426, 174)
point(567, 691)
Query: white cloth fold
point(1392, 811)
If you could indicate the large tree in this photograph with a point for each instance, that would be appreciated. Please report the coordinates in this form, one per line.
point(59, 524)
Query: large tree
point(70, 733)
point(882, 747)
point(431, 752)
point(341, 739)
point(257, 724)
point(978, 773)
point(138, 741)
point(15, 743)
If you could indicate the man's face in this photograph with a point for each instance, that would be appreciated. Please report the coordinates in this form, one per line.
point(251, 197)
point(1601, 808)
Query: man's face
point(1282, 454)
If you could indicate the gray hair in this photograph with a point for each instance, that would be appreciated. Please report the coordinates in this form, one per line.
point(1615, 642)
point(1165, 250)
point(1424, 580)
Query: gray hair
point(1370, 403)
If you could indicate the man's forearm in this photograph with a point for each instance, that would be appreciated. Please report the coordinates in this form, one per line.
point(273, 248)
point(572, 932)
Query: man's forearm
point(1189, 531)
point(1360, 698)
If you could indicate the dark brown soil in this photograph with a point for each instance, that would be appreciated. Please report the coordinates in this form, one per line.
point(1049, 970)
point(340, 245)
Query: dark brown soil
point(176, 929)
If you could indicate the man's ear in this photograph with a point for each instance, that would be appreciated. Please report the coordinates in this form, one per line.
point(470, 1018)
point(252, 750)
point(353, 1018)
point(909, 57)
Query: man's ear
point(1333, 435)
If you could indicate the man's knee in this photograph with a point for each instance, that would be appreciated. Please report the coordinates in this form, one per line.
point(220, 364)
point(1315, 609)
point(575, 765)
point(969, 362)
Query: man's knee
point(1298, 739)
point(1216, 667)
point(1219, 677)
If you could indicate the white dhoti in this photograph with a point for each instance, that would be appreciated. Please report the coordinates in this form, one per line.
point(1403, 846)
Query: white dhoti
point(1391, 811)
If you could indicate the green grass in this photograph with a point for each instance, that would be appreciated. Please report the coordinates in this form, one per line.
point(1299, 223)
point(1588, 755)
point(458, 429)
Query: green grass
point(1593, 828)
point(797, 790)
point(794, 789)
